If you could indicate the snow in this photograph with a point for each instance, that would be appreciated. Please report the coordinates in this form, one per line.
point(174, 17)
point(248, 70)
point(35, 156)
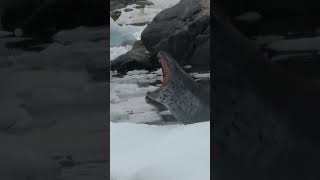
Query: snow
point(164, 4)
point(200, 76)
point(187, 67)
point(144, 152)
point(119, 36)
point(124, 35)
point(137, 15)
point(143, 15)
point(137, 72)
point(127, 98)
point(139, 151)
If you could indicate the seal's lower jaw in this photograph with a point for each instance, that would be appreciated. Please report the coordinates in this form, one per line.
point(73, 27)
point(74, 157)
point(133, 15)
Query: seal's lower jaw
point(166, 74)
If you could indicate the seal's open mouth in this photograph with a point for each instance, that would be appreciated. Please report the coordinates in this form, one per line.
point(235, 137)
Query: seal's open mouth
point(165, 71)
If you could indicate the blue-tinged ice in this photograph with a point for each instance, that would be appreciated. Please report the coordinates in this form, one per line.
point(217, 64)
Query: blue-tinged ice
point(120, 36)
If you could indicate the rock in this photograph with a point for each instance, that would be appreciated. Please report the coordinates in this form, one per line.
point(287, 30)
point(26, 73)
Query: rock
point(119, 4)
point(183, 31)
point(128, 10)
point(140, 6)
point(116, 4)
point(144, 3)
point(115, 15)
point(137, 58)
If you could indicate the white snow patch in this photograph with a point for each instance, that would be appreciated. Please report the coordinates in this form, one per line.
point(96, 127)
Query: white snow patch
point(144, 152)
point(136, 16)
point(137, 72)
point(137, 77)
point(145, 14)
point(187, 67)
point(166, 112)
point(120, 36)
point(164, 4)
point(200, 75)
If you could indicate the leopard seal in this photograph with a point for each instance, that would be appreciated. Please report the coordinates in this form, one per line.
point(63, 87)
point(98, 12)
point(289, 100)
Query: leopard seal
point(186, 99)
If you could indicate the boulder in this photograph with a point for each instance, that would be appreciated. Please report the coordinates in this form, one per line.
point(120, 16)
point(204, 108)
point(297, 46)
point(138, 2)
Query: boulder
point(182, 30)
point(137, 58)
point(118, 4)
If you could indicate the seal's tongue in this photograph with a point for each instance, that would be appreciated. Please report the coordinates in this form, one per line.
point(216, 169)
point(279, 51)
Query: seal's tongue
point(165, 72)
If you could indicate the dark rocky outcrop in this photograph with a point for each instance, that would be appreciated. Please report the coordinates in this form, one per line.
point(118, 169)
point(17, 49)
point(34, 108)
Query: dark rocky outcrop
point(182, 30)
point(137, 58)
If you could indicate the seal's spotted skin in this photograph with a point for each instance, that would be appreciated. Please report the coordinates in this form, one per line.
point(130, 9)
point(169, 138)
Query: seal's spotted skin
point(187, 100)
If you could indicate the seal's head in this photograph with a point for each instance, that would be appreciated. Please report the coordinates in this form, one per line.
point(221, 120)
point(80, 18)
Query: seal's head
point(170, 74)
point(170, 69)
point(177, 92)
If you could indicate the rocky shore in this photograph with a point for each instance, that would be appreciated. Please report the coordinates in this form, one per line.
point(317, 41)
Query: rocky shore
point(183, 30)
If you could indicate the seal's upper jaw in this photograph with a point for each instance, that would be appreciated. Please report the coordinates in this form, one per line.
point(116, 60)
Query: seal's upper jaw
point(162, 55)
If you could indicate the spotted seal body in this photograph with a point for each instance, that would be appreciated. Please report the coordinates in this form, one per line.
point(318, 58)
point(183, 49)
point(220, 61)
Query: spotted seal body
point(187, 100)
